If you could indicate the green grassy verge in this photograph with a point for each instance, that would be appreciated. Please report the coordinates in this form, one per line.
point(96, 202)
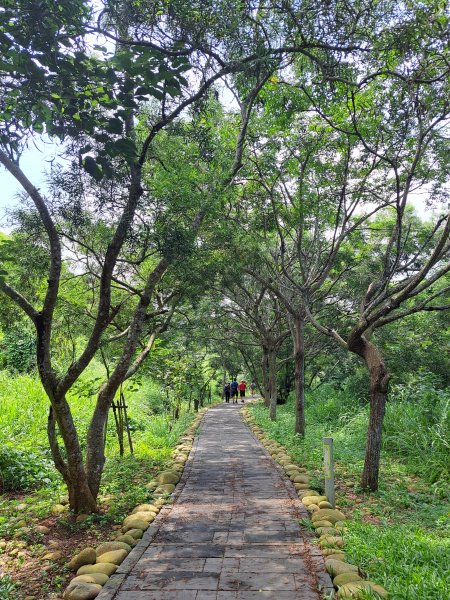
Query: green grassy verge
point(25, 461)
point(398, 535)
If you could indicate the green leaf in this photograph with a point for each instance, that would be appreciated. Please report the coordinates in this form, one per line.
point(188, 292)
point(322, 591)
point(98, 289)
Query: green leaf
point(90, 166)
point(143, 91)
point(114, 125)
point(172, 90)
point(126, 147)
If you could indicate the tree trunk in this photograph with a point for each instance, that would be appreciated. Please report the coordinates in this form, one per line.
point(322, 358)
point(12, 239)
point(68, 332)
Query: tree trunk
point(81, 498)
point(95, 448)
point(272, 383)
point(298, 338)
point(224, 381)
point(379, 382)
point(265, 376)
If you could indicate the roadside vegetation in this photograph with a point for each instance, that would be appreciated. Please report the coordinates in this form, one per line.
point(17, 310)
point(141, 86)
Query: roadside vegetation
point(239, 188)
point(400, 534)
point(35, 520)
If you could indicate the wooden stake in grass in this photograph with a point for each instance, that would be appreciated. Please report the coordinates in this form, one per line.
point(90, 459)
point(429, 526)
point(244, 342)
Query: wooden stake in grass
point(328, 468)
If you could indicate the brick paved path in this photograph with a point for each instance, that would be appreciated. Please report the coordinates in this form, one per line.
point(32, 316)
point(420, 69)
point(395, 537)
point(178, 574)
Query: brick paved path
point(232, 532)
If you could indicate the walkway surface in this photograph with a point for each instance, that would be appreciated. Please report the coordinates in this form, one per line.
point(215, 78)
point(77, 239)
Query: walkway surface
point(232, 532)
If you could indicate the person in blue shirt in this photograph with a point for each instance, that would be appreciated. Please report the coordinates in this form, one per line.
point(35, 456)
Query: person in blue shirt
point(234, 390)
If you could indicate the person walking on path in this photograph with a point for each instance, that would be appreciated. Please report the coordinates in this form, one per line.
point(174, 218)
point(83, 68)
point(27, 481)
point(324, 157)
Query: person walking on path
point(234, 390)
point(226, 392)
point(253, 387)
point(242, 388)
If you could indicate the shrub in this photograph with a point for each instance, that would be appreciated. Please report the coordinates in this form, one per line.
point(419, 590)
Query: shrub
point(19, 349)
point(23, 471)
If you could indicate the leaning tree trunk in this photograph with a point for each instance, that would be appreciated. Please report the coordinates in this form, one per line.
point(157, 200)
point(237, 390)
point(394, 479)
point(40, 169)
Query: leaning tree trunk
point(298, 339)
point(265, 376)
point(81, 498)
point(95, 443)
point(272, 383)
point(379, 382)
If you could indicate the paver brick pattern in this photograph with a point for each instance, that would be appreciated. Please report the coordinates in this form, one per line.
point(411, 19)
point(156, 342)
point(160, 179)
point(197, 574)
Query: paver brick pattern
point(233, 532)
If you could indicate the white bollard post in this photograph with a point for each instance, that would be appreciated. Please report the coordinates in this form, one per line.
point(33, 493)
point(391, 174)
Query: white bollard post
point(328, 467)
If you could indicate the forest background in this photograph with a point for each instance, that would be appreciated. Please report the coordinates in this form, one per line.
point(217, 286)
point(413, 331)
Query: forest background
point(236, 194)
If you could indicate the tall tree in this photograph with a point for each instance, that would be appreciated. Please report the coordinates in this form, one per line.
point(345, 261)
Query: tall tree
point(114, 154)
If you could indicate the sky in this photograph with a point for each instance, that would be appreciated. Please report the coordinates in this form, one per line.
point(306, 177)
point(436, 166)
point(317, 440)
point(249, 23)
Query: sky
point(35, 162)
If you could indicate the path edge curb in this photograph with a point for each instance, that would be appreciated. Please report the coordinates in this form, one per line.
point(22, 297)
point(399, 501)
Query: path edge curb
point(114, 583)
point(315, 557)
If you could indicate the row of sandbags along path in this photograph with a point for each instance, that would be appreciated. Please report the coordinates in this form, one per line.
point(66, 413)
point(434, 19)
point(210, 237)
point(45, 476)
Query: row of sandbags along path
point(232, 532)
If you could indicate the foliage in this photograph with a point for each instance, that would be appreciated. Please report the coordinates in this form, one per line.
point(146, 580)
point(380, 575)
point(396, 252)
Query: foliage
point(7, 588)
point(407, 507)
point(22, 470)
point(417, 346)
point(26, 469)
point(417, 428)
point(67, 88)
point(23, 410)
point(24, 459)
point(18, 349)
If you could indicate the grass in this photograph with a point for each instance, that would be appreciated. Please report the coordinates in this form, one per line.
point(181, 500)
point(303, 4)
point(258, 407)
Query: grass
point(411, 561)
point(398, 535)
point(7, 588)
point(25, 460)
point(26, 468)
point(34, 487)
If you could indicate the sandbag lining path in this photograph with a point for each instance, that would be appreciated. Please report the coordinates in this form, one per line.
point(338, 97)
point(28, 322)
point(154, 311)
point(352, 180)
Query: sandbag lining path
point(232, 532)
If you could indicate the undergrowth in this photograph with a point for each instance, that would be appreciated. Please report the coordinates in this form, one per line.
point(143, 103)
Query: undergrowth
point(27, 473)
point(25, 459)
point(398, 535)
point(7, 588)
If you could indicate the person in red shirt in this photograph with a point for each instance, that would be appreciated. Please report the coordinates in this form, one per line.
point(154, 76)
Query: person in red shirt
point(242, 388)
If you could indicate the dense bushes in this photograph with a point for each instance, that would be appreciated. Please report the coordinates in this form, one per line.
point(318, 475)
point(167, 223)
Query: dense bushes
point(18, 349)
point(22, 470)
point(417, 428)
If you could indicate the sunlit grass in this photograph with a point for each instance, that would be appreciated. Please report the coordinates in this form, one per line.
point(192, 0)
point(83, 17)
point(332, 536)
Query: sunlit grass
point(25, 461)
point(399, 535)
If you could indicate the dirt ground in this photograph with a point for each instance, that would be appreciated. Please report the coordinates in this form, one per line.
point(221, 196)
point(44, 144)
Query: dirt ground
point(23, 559)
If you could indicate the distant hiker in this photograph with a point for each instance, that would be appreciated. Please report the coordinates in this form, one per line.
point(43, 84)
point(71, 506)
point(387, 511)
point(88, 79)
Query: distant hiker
point(242, 388)
point(234, 390)
point(253, 387)
point(226, 392)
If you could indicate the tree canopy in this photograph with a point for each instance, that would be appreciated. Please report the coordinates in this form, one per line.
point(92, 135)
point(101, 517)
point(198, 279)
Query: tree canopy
point(231, 169)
